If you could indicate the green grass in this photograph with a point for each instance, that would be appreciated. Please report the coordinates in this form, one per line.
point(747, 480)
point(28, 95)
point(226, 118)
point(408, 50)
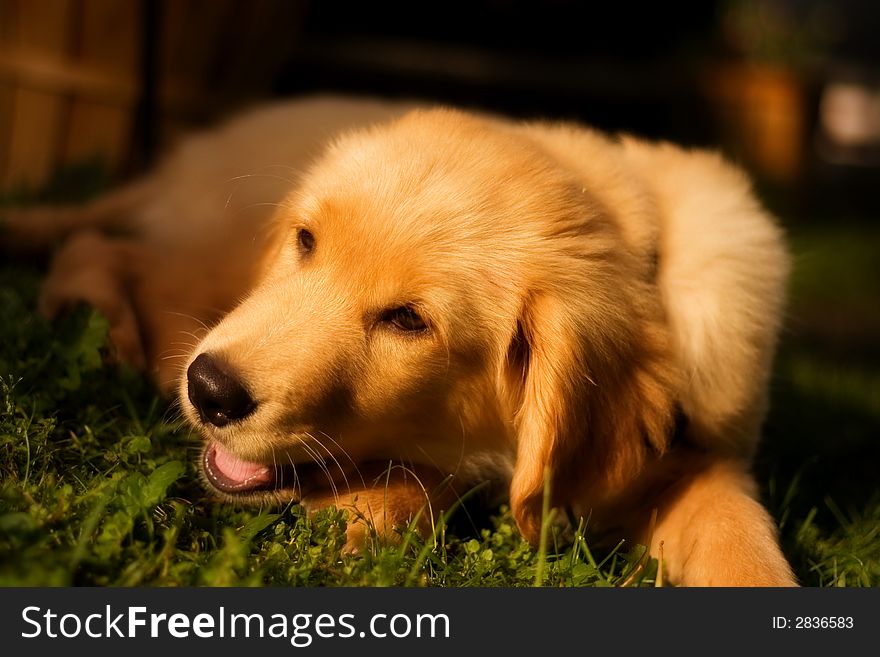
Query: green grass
point(98, 484)
point(820, 459)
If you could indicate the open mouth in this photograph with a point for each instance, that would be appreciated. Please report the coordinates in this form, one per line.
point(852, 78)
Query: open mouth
point(252, 481)
point(231, 474)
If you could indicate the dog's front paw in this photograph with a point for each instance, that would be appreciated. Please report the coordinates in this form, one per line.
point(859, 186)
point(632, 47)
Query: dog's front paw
point(92, 269)
point(358, 538)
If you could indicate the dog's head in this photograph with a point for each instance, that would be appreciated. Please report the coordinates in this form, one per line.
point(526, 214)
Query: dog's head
point(439, 290)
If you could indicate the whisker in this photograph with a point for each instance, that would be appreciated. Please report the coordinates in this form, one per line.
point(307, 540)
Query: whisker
point(275, 470)
point(338, 465)
point(201, 308)
point(340, 447)
point(170, 355)
point(262, 204)
point(189, 334)
point(321, 464)
point(271, 176)
point(181, 343)
point(463, 443)
point(297, 486)
point(447, 480)
point(345, 453)
point(197, 320)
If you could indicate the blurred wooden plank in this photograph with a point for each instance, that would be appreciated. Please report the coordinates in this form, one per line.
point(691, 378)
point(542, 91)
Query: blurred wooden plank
point(194, 48)
point(267, 32)
point(70, 71)
point(36, 70)
point(205, 62)
point(36, 116)
point(110, 36)
point(110, 46)
point(8, 20)
point(7, 100)
point(98, 131)
point(40, 24)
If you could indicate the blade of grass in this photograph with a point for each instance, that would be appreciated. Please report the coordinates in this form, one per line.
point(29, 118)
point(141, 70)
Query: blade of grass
point(546, 520)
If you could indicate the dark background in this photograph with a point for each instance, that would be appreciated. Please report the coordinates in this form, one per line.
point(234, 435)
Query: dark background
point(788, 88)
point(750, 77)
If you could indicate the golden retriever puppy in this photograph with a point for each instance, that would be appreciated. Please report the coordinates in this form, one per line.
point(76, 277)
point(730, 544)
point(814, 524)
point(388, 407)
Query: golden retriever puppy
point(464, 298)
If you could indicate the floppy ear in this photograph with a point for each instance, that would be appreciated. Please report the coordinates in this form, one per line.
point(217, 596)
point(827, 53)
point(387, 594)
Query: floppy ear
point(595, 397)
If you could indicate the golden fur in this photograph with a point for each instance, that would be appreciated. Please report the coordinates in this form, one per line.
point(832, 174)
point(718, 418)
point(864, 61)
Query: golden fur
point(604, 310)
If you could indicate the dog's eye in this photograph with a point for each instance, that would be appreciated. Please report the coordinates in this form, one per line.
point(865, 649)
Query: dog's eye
point(404, 319)
point(306, 240)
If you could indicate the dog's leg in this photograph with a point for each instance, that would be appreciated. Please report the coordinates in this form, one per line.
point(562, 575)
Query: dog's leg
point(153, 319)
point(388, 503)
point(715, 532)
point(90, 268)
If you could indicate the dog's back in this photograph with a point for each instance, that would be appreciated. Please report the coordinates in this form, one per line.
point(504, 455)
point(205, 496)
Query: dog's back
point(719, 260)
point(723, 267)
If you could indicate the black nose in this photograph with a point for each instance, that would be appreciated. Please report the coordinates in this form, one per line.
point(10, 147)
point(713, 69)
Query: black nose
point(217, 395)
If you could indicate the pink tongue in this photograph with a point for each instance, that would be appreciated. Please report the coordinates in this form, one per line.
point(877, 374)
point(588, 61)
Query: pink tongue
point(239, 471)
